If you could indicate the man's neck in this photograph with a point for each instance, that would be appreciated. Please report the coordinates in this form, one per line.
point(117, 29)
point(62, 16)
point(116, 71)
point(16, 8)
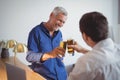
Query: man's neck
point(47, 26)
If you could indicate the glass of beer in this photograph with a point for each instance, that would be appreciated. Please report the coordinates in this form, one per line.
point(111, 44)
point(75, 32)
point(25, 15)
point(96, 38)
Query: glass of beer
point(63, 44)
point(70, 42)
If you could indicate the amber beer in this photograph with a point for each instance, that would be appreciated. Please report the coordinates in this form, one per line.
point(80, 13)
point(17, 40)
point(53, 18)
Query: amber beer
point(70, 42)
point(63, 44)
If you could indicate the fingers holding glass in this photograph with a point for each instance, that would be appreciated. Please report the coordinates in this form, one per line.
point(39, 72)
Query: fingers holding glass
point(70, 49)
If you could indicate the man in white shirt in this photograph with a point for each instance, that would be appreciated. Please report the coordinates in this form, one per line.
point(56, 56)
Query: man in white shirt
point(102, 62)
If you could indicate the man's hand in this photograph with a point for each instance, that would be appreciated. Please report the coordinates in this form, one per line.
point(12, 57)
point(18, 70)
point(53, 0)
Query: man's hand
point(57, 52)
point(78, 48)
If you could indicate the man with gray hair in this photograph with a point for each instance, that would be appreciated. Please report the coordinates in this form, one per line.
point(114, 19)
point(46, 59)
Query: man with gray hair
point(43, 46)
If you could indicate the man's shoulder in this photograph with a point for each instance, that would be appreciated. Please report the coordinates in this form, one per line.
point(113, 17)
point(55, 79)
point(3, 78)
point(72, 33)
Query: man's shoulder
point(36, 28)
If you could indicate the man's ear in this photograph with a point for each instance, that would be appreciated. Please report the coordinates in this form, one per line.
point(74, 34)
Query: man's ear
point(88, 40)
point(51, 14)
point(86, 37)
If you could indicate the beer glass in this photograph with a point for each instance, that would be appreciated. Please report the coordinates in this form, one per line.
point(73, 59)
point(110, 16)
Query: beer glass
point(63, 44)
point(70, 42)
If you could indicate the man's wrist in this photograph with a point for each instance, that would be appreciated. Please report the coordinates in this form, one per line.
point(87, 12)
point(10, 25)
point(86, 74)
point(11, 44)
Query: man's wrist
point(85, 50)
point(45, 57)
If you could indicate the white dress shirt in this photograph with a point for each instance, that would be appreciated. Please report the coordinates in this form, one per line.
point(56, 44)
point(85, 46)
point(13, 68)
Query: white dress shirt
point(102, 63)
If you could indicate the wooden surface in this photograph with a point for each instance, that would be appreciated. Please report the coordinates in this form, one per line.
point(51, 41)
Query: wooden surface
point(30, 75)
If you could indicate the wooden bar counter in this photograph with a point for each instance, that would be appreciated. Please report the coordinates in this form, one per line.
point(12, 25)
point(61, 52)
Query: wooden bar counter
point(29, 74)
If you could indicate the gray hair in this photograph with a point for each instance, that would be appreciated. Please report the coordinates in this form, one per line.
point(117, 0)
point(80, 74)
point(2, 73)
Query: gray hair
point(58, 10)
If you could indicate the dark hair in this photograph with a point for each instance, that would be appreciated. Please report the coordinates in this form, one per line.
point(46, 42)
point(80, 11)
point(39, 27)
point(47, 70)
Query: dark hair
point(94, 25)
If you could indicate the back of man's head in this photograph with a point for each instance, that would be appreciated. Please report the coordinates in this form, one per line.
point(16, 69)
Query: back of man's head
point(94, 25)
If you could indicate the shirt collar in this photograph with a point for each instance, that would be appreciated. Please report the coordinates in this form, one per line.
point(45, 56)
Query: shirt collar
point(45, 29)
point(105, 43)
